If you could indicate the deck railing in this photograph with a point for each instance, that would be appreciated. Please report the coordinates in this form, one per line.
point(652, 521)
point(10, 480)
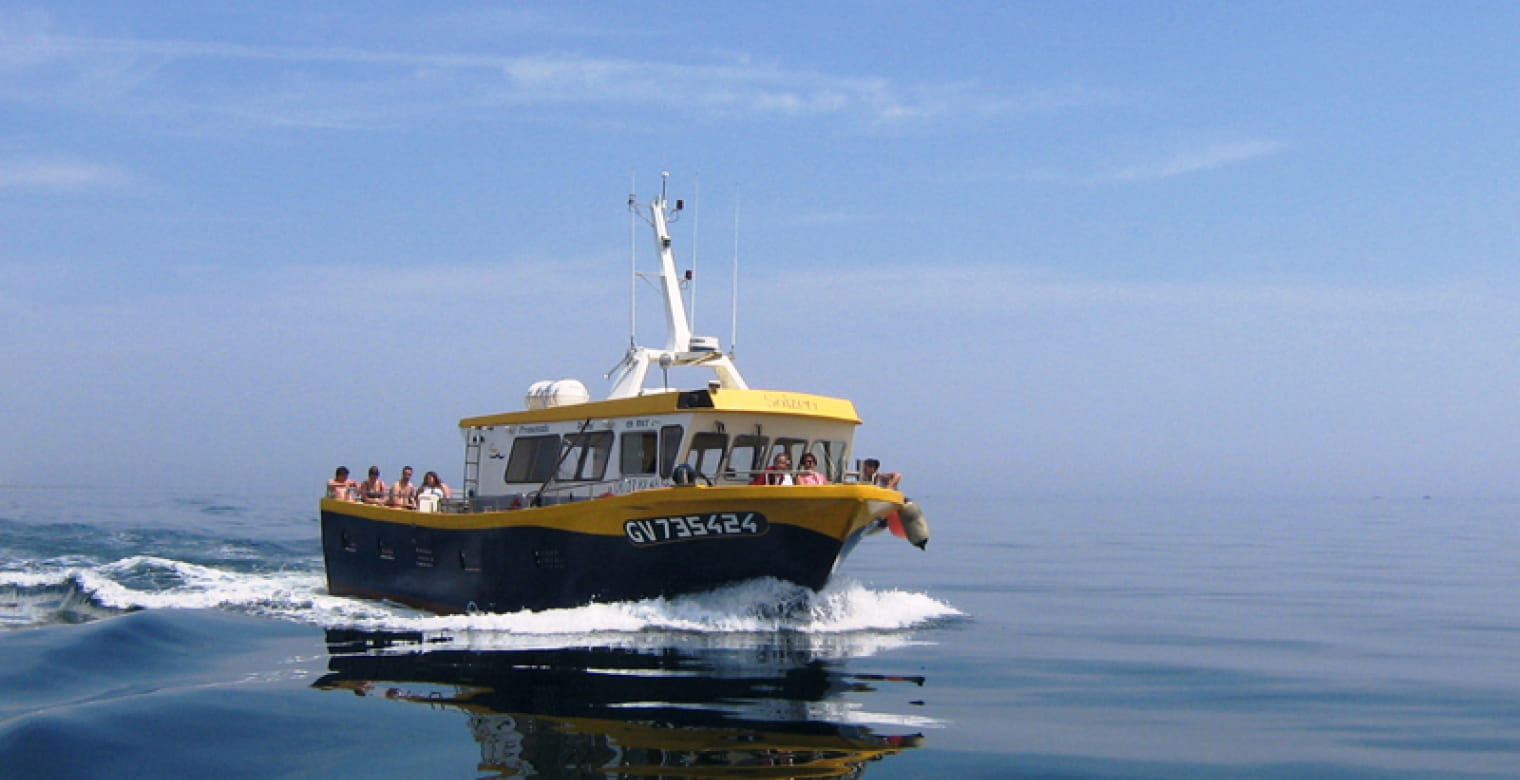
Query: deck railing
point(585, 491)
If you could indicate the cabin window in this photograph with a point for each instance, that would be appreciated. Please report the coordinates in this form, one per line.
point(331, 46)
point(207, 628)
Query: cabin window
point(586, 458)
point(670, 447)
point(706, 453)
point(638, 452)
point(831, 455)
point(532, 458)
point(747, 456)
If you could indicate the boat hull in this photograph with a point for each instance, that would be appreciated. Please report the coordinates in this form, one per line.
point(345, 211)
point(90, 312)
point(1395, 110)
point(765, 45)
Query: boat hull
point(652, 543)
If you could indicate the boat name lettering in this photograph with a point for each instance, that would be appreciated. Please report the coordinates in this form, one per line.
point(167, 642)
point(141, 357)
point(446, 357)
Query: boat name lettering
point(641, 423)
point(659, 530)
point(532, 429)
point(791, 402)
point(630, 484)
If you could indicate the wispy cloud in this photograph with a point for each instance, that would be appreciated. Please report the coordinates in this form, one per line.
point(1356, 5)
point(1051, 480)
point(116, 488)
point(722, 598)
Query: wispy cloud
point(60, 175)
point(1158, 167)
point(1194, 161)
point(366, 85)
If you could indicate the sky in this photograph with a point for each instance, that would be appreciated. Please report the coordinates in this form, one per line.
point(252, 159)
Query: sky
point(1048, 249)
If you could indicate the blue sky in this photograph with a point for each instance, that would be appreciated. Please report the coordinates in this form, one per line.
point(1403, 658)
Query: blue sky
point(1080, 248)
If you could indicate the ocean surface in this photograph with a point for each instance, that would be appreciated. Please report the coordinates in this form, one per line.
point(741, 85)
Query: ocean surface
point(148, 634)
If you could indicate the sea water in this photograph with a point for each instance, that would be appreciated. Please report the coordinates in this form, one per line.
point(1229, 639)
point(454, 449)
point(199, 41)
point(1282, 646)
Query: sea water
point(152, 634)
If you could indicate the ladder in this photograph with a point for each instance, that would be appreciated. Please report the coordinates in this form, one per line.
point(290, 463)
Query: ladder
point(472, 463)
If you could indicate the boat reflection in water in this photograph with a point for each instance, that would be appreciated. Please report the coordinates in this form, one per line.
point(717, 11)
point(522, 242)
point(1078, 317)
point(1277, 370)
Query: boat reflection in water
point(784, 708)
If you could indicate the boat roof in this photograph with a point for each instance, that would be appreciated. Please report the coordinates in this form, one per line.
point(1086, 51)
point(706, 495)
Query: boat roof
point(726, 400)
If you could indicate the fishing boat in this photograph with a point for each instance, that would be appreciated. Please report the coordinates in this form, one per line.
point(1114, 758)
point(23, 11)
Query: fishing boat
point(650, 492)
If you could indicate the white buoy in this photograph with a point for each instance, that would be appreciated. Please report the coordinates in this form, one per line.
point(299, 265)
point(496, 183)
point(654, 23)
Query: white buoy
point(914, 526)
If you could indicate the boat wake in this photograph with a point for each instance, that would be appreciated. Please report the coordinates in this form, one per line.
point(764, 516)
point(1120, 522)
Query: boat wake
point(29, 600)
point(83, 592)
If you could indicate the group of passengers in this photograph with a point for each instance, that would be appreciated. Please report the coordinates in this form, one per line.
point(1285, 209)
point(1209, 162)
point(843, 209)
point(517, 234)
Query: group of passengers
point(402, 493)
point(780, 473)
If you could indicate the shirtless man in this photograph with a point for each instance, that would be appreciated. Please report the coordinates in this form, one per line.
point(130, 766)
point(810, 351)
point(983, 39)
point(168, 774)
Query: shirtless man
point(403, 493)
point(341, 487)
point(871, 474)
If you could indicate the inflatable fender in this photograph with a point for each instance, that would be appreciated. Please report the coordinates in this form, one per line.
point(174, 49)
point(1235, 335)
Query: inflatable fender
point(914, 527)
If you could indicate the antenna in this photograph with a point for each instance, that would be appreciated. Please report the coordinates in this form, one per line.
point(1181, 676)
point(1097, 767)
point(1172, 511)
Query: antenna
point(733, 304)
point(696, 222)
point(633, 261)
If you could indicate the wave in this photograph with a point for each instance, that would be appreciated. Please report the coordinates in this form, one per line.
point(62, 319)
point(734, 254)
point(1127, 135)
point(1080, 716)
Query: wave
point(75, 593)
point(81, 544)
point(40, 602)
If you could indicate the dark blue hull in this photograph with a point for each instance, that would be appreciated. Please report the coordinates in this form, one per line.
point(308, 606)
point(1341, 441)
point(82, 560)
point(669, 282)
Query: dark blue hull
point(517, 567)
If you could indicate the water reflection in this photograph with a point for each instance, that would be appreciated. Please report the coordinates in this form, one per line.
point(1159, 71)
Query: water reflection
point(702, 707)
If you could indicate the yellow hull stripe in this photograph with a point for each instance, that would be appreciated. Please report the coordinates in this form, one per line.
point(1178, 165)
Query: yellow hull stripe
point(833, 510)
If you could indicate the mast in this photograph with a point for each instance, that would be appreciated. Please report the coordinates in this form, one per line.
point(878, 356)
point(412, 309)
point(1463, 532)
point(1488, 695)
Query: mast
point(677, 328)
point(681, 348)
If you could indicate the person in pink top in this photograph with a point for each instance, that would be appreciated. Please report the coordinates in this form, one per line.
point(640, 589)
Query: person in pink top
point(809, 474)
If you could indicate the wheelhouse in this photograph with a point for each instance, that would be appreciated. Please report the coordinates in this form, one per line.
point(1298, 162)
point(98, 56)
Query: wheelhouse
point(585, 450)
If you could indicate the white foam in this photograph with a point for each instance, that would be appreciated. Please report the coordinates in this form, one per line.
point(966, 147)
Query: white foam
point(31, 579)
point(846, 617)
point(760, 606)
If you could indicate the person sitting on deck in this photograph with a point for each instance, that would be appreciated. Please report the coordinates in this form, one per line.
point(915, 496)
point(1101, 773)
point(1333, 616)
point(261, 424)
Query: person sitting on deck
point(776, 473)
point(432, 493)
point(432, 485)
point(870, 474)
point(372, 490)
point(403, 493)
point(809, 475)
point(342, 488)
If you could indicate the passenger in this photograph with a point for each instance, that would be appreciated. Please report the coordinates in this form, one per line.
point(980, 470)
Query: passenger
point(403, 493)
point(809, 475)
point(342, 488)
point(372, 490)
point(776, 473)
point(433, 486)
point(871, 474)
